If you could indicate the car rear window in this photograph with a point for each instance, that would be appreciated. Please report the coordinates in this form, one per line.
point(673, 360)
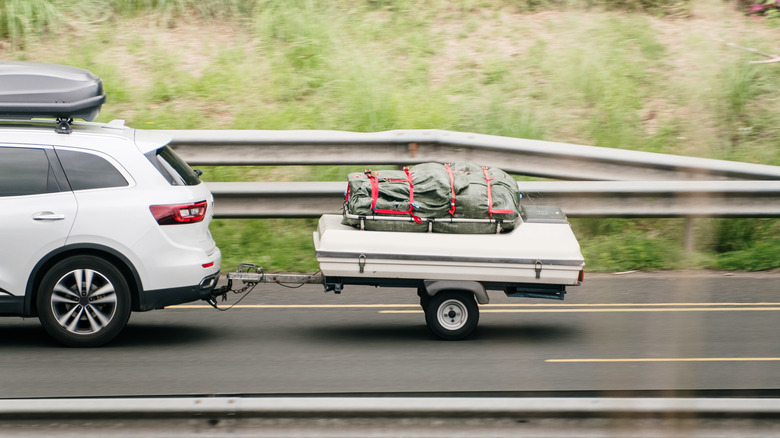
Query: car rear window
point(175, 170)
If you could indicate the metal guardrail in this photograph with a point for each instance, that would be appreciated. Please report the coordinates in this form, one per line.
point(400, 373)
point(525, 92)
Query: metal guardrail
point(389, 416)
point(371, 406)
point(405, 147)
point(576, 198)
point(656, 185)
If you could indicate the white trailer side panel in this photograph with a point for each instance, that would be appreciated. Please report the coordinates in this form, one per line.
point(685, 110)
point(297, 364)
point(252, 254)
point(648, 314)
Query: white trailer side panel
point(515, 257)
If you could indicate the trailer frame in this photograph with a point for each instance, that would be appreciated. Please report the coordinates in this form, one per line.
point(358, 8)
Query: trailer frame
point(450, 306)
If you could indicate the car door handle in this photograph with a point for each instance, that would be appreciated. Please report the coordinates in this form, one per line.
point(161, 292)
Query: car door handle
point(48, 216)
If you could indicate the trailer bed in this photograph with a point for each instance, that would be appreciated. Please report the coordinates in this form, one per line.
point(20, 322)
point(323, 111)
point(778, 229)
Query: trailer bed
point(544, 252)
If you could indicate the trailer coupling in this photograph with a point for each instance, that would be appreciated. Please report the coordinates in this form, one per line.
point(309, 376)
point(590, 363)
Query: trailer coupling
point(250, 275)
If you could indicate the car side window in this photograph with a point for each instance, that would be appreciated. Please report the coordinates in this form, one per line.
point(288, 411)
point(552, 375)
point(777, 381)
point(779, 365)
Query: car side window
point(87, 171)
point(26, 171)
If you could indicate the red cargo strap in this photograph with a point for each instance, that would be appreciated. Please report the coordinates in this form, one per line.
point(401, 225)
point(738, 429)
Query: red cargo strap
point(490, 197)
point(375, 196)
point(452, 187)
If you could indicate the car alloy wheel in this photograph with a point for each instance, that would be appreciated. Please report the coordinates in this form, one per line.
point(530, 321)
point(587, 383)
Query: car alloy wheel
point(83, 301)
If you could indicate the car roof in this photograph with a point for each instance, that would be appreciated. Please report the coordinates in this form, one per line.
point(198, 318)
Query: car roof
point(145, 140)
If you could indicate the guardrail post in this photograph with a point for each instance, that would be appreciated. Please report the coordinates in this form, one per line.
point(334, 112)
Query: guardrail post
point(689, 241)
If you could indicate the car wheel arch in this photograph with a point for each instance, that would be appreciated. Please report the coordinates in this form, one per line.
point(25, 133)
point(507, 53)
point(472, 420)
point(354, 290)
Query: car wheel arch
point(121, 262)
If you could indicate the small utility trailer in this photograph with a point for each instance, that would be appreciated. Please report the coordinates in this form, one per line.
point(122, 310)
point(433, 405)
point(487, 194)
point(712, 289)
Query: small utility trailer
point(451, 273)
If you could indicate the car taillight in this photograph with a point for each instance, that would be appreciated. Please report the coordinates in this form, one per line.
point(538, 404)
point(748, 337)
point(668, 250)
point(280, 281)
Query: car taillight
point(179, 214)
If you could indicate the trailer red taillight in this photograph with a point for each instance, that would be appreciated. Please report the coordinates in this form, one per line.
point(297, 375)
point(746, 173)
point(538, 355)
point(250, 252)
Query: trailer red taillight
point(581, 277)
point(179, 213)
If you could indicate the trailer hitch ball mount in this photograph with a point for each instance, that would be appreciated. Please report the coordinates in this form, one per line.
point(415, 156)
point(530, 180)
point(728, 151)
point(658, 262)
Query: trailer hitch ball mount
point(249, 274)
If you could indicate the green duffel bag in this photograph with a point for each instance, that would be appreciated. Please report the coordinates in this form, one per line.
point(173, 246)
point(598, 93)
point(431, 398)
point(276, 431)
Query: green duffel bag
point(433, 197)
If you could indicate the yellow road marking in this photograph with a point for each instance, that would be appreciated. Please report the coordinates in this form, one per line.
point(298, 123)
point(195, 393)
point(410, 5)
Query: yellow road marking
point(294, 306)
point(524, 308)
point(682, 309)
point(670, 359)
point(630, 305)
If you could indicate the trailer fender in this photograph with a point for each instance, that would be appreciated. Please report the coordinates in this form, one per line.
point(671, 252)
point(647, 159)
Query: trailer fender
point(432, 287)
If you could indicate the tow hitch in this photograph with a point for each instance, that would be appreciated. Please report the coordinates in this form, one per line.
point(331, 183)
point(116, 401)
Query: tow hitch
point(250, 275)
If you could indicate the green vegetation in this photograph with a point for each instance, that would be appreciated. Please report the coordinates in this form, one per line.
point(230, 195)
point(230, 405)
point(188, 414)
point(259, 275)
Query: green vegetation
point(724, 244)
point(642, 75)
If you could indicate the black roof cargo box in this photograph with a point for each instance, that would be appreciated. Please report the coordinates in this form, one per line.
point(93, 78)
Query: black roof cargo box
point(30, 90)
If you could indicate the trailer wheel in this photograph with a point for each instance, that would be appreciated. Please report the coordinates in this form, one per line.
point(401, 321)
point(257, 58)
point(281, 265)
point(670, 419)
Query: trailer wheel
point(452, 315)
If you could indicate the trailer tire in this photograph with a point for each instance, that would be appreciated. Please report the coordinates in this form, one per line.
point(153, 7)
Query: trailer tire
point(424, 298)
point(452, 314)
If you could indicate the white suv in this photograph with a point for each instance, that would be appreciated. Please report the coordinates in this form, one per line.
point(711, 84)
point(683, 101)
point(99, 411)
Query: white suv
point(96, 221)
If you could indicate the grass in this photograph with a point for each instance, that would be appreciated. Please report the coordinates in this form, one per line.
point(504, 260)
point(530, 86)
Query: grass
point(724, 244)
point(278, 245)
point(27, 19)
point(629, 74)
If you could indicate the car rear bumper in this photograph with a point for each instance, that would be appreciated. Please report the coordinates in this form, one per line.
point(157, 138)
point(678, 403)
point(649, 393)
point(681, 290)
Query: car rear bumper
point(157, 299)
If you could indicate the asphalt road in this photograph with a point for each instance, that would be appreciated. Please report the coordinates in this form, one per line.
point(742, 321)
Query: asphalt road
point(667, 332)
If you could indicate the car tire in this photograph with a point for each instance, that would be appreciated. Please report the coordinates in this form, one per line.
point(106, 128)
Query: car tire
point(83, 301)
point(452, 315)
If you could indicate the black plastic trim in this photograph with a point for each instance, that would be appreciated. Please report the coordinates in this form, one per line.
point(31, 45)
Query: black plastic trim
point(159, 298)
point(11, 305)
point(59, 172)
